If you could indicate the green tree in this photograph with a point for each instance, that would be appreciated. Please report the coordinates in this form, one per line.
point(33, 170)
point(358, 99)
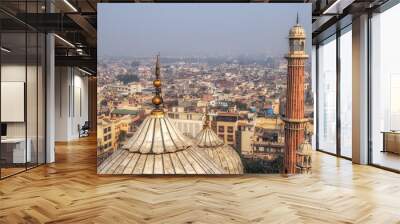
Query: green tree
point(122, 135)
point(128, 78)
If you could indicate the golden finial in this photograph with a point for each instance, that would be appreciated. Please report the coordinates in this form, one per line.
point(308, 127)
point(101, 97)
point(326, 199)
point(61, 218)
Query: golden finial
point(157, 83)
point(157, 99)
point(207, 118)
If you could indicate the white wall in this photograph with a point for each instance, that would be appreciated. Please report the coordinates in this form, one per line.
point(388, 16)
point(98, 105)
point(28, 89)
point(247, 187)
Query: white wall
point(61, 103)
point(80, 105)
point(71, 102)
point(33, 126)
point(12, 73)
point(17, 73)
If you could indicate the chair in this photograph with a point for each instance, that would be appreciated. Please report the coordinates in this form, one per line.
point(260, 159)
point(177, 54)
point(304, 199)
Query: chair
point(84, 130)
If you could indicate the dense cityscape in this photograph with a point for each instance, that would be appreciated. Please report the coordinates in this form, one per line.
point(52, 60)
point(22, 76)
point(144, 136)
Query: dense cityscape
point(245, 98)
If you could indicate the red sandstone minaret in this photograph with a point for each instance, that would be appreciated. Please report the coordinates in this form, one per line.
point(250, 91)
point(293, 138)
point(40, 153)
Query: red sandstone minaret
point(294, 113)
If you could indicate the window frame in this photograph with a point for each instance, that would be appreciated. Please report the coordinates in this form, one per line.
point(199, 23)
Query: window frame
point(337, 37)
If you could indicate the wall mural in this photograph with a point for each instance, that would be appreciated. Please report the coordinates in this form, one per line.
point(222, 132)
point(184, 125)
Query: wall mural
point(192, 89)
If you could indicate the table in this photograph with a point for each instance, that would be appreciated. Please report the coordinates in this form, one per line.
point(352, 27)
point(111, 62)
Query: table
point(13, 150)
point(391, 141)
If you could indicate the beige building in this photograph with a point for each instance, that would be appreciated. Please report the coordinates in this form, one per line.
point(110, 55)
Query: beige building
point(225, 125)
point(244, 138)
point(271, 128)
point(108, 132)
point(105, 137)
point(135, 88)
point(263, 138)
point(118, 88)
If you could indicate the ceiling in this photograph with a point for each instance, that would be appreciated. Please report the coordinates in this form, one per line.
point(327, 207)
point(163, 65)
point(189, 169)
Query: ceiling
point(75, 21)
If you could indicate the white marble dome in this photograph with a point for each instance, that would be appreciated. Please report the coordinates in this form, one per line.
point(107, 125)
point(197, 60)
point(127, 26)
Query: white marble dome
point(224, 155)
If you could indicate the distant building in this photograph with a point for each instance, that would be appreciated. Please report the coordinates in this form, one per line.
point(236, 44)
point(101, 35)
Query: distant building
point(261, 145)
point(189, 123)
point(135, 88)
point(178, 109)
point(201, 103)
point(111, 132)
point(268, 150)
point(269, 139)
point(131, 88)
point(105, 136)
point(225, 125)
point(120, 112)
point(118, 88)
point(244, 138)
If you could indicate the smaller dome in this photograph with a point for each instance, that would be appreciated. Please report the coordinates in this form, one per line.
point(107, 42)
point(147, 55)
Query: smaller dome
point(305, 148)
point(224, 155)
point(207, 138)
point(297, 31)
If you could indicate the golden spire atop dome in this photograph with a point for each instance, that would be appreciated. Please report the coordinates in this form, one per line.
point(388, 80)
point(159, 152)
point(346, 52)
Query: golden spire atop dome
point(207, 119)
point(157, 99)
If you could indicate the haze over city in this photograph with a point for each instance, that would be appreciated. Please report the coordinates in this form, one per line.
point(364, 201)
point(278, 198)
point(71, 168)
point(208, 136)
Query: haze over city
point(198, 30)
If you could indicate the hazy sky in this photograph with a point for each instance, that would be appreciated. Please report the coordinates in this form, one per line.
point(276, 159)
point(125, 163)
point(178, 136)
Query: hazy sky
point(198, 29)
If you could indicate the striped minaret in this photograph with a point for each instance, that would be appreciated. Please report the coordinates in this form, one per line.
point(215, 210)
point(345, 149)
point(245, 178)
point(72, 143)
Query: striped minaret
point(294, 114)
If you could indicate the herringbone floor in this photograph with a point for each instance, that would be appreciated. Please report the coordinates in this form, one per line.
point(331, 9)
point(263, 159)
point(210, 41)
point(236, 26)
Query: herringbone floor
point(69, 191)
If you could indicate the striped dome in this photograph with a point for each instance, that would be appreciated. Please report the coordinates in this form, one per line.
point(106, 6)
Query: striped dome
point(159, 148)
point(189, 161)
point(224, 155)
point(157, 135)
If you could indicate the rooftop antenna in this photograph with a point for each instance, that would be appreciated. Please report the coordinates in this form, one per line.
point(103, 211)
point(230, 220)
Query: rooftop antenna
point(297, 18)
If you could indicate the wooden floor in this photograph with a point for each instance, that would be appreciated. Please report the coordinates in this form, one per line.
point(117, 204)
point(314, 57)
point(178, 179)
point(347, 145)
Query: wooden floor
point(387, 159)
point(5, 172)
point(69, 191)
